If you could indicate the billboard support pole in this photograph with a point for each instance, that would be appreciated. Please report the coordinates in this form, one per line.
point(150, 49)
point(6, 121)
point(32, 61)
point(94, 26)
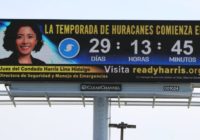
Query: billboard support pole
point(100, 118)
point(10, 96)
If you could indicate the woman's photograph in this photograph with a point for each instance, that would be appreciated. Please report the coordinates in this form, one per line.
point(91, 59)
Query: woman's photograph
point(21, 38)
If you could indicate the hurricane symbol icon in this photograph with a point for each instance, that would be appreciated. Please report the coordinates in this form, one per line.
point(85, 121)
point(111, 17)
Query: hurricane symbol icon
point(69, 48)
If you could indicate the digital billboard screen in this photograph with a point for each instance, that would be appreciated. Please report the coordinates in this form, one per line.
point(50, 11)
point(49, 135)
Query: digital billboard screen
point(99, 50)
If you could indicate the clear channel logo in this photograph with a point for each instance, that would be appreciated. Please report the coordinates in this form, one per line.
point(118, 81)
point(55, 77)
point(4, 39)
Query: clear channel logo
point(69, 48)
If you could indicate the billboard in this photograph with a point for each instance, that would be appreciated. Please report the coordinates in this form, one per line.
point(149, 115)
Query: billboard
point(99, 50)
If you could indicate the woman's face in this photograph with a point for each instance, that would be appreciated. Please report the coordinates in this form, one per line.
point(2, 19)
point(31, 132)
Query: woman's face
point(26, 40)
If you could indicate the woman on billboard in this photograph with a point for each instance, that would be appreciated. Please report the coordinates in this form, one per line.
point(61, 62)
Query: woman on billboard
point(22, 37)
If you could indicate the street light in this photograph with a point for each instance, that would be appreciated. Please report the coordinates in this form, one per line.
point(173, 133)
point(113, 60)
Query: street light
point(122, 126)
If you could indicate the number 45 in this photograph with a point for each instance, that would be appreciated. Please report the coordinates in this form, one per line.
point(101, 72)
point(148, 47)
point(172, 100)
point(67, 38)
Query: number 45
point(186, 49)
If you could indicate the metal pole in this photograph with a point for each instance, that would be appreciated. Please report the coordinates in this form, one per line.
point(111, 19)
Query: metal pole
point(100, 118)
point(122, 126)
point(122, 133)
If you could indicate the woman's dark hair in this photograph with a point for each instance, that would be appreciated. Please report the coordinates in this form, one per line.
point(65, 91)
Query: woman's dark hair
point(11, 35)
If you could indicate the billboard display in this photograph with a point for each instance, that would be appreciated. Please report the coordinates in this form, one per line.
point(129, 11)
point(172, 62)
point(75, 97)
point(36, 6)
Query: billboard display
point(99, 50)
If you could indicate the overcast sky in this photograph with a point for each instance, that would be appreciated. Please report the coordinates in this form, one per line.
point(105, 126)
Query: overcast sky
point(75, 122)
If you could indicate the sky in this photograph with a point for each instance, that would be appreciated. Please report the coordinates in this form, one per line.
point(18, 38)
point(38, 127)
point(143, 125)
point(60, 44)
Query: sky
point(76, 122)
